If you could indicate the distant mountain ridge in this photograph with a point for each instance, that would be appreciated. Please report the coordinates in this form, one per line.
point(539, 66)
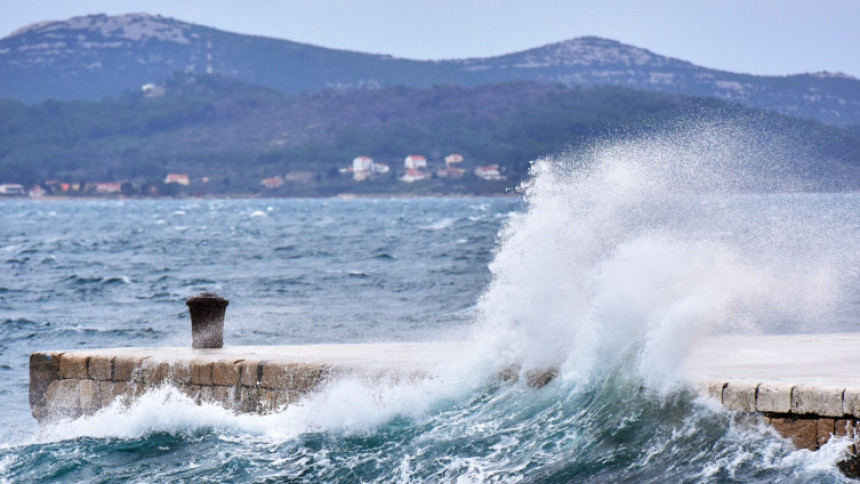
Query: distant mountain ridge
point(95, 56)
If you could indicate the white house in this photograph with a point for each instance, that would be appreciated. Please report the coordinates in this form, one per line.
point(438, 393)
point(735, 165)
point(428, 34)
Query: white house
point(108, 187)
point(414, 176)
point(488, 172)
point(453, 158)
point(414, 162)
point(12, 189)
point(361, 166)
point(180, 178)
point(362, 163)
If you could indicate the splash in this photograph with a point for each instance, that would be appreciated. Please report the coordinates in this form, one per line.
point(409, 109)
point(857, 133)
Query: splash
point(503, 433)
point(343, 407)
point(635, 249)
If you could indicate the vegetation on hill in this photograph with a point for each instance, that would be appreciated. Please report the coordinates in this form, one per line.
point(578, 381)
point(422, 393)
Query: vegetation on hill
point(236, 135)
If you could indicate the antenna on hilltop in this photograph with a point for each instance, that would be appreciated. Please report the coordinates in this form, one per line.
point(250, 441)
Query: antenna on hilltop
point(209, 55)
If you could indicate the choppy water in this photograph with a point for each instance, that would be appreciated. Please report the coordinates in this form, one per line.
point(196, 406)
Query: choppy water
point(607, 272)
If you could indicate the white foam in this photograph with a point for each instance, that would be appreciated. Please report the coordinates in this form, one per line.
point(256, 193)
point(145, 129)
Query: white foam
point(350, 406)
point(5, 463)
point(441, 224)
point(624, 250)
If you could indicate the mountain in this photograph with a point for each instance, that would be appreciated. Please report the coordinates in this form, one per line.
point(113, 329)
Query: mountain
point(88, 58)
point(236, 135)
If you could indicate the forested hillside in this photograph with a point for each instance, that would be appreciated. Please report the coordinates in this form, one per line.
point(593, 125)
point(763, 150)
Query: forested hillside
point(236, 135)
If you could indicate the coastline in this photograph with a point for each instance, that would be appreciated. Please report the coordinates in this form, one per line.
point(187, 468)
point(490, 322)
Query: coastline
point(340, 196)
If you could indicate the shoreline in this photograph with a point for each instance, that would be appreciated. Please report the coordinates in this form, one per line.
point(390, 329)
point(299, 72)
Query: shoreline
point(341, 196)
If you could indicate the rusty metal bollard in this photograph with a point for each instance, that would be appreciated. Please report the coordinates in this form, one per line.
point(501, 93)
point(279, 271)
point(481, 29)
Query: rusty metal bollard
point(207, 320)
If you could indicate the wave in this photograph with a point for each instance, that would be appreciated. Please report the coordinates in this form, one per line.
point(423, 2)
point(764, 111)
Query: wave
point(646, 245)
point(463, 430)
point(107, 280)
point(441, 224)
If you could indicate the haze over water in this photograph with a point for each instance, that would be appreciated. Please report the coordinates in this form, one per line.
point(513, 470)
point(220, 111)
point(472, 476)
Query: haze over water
point(616, 262)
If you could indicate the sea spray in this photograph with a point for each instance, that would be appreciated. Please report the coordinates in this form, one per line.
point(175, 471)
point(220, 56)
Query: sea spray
point(645, 245)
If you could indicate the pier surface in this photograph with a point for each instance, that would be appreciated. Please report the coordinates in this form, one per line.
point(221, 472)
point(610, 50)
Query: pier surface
point(806, 386)
point(809, 359)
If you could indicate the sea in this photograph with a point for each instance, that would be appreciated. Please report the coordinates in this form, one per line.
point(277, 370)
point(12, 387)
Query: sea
point(607, 269)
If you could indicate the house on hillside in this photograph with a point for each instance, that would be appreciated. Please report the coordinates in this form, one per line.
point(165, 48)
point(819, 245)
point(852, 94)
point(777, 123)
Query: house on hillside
point(362, 163)
point(414, 162)
point(488, 172)
point(453, 158)
point(363, 167)
point(179, 178)
point(109, 187)
point(12, 189)
point(414, 176)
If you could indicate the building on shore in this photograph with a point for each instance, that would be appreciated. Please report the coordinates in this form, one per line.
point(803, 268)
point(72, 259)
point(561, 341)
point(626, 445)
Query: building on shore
point(414, 176)
point(362, 163)
point(108, 187)
point(12, 190)
point(179, 178)
point(363, 167)
point(414, 162)
point(453, 158)
point(488, 172)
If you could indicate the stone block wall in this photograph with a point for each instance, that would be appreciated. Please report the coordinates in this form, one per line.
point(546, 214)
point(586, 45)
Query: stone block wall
point(66, 385)
point(807, 414)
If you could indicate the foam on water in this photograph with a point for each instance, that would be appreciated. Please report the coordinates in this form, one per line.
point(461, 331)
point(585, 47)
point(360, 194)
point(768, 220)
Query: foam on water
point(343, 407)
point(441, 224)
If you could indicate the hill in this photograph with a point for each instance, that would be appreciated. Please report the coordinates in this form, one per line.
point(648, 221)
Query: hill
point(235, 135)
point(87, 58)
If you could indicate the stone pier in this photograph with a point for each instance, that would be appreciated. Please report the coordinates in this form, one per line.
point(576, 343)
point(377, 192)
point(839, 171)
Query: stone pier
point(241, 378)
point(806, 386)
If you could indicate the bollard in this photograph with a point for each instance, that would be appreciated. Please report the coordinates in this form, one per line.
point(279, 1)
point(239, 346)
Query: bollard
point(207, 320)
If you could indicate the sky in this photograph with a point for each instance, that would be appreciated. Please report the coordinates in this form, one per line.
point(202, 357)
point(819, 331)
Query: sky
point(767, 37)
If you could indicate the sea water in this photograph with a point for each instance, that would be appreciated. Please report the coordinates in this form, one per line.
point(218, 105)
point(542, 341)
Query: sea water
point(609, 267)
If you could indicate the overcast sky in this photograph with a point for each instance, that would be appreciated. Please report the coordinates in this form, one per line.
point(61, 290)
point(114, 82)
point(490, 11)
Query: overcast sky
point(754, 36)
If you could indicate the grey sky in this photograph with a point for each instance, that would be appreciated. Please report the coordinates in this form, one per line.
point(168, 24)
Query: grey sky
point(755, 36)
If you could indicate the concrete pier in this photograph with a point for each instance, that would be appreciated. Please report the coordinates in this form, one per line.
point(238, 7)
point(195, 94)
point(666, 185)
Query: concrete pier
point(241, 378)
point(806, 386)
